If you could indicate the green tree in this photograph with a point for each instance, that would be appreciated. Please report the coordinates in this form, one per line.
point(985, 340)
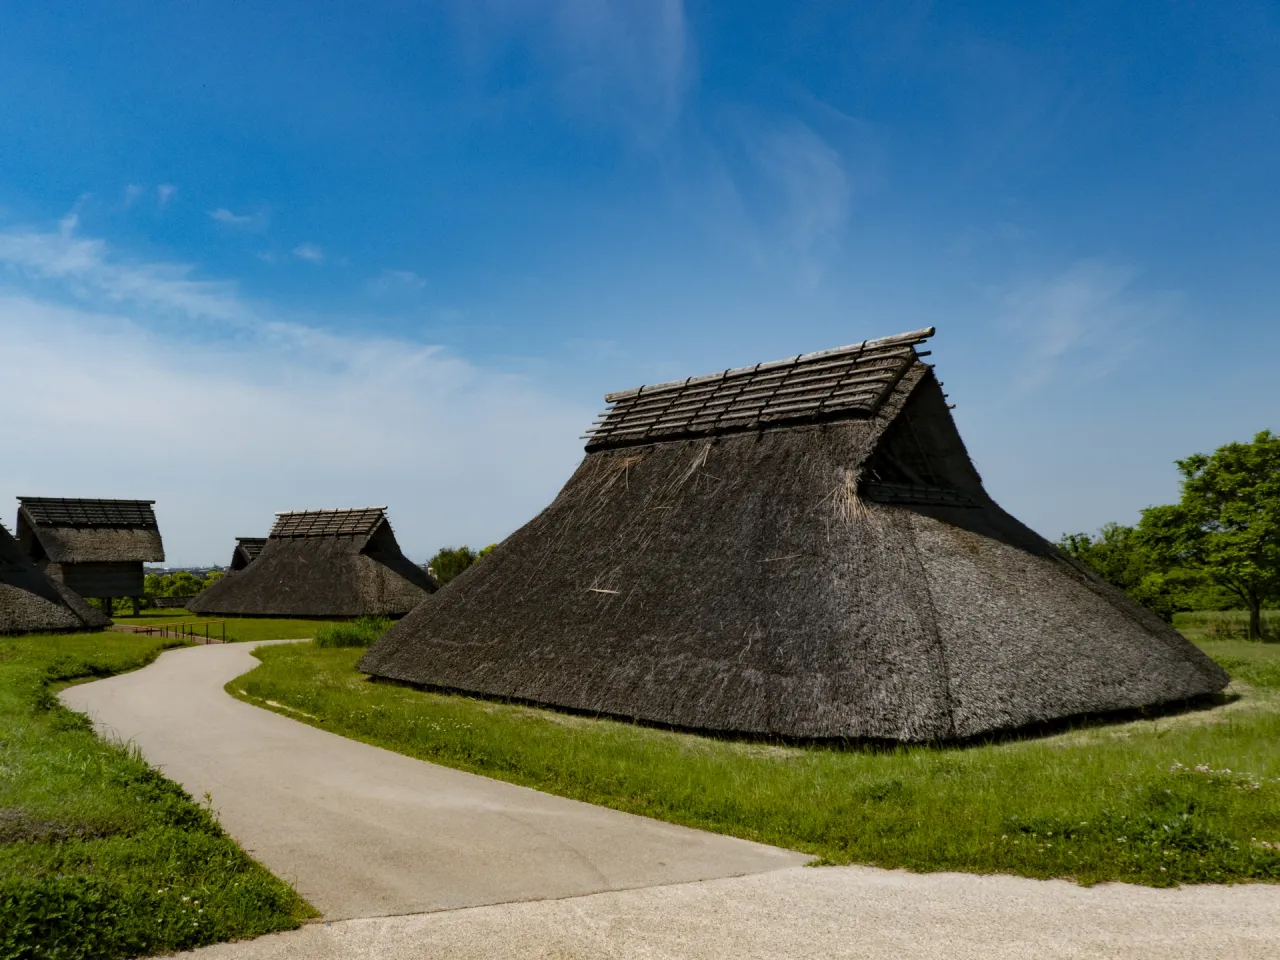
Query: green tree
point(1119, 555)
point(1227, 524)
point(449, 562)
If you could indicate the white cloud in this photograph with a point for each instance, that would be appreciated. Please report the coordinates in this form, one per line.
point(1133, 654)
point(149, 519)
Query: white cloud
point(1083, 322)
point(244, 221)
point(131, 194)
point(87, 269)
point(309, 252)
point(164, 193)
point(223, 432)
point(397, 281)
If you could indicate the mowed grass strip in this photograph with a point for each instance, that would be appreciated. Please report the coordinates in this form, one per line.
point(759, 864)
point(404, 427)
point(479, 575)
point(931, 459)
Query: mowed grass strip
point(101, 856)
point(1193, 798)
point(1225, 624)
point(238, 629)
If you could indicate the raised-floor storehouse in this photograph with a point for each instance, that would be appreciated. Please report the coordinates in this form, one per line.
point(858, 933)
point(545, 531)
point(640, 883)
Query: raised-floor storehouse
point(95, 548)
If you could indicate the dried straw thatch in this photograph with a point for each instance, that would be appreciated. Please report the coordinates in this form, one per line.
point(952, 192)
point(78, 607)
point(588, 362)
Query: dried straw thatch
point(68, 531)
point(800, 549)
point(322, 563)
point(31, 602)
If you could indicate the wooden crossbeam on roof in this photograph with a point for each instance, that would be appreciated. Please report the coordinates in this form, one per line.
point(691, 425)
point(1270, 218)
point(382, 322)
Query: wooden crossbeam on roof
point(328, 523)
point(80, 512)
point(850, 381)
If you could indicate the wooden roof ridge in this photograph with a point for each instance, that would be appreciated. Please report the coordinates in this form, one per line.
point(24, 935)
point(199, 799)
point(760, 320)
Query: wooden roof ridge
point(848, 381)
point(340, 522)
point(89, 512)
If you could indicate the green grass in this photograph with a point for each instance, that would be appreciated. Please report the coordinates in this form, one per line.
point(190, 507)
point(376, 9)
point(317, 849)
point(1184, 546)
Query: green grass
point(101, 856)
point(1191, 798)
point(237, 628)
point(1226, 624)
point(358, 633)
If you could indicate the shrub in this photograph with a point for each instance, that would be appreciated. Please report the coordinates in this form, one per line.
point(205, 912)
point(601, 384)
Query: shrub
point(358, 633)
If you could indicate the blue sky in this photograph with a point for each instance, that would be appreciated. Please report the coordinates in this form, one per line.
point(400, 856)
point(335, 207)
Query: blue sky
point(269, 256)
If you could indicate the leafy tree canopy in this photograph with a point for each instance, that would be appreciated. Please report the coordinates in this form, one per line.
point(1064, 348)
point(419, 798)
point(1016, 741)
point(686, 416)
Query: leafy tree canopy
point(448, 562)
point(451, 561)
point(1227, 523)
point(182, 583)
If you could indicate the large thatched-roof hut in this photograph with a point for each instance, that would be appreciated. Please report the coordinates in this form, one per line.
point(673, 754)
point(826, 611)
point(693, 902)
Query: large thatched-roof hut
point(31, 602)
point(246, 551)
point(800, 548)
point(322, 563)
point(96, 548)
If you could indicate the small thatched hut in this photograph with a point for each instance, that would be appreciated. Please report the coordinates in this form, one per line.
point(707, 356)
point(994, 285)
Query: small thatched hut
point(800, 548)
point(322, 563)
point(246, 551)
point(96, 548)
point(30, 602)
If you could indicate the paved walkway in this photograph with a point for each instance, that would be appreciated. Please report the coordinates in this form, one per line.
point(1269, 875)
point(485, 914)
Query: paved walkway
point(366, 834)
point(826, 912)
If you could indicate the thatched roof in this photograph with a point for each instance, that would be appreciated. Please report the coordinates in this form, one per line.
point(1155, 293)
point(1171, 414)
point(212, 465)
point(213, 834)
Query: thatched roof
point(246, 551)
point(322, 563)
point(31, 602)
point(89, 531)
point(827, 573)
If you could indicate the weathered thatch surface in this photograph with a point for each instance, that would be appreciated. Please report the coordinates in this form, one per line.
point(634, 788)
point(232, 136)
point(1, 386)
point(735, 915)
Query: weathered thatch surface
point(30, 602)
point(246, 551)
point(836, 576)
point(322, 563)
point(71, 531)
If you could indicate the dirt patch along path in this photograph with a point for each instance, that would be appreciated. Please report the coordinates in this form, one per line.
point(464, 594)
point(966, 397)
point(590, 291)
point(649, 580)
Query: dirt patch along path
point(364, 832)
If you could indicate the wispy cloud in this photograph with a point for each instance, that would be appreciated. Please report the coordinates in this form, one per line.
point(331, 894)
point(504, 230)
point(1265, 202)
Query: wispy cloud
point(131, 194)
point(309, 252)
point(397, 281)
point(1083, 322)
point(623, 62)
point(245, 221)
point(164, 193)
point(89, 271)
point(275, 401)
point(783, 190)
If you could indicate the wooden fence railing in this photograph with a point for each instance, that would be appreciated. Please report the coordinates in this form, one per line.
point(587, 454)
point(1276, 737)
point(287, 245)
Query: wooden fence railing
point(189, 630)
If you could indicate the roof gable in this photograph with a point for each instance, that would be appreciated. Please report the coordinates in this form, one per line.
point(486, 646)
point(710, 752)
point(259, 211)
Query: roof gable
point(80, 512)
point(847, 382)
point(252, 546)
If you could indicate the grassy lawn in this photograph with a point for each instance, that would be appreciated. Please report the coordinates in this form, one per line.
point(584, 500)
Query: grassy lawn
point(237, 628)
point(1191, 798)
point(1225, 625)
point(101, 856)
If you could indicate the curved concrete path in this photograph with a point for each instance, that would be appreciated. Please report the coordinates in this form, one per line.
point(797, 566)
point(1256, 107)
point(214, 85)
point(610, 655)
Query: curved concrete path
point(364, 832)
point(845, 912)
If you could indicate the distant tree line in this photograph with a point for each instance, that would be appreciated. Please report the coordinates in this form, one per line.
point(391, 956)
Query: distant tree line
point(448, 562)
point(1217, 548)
point(182, 583)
